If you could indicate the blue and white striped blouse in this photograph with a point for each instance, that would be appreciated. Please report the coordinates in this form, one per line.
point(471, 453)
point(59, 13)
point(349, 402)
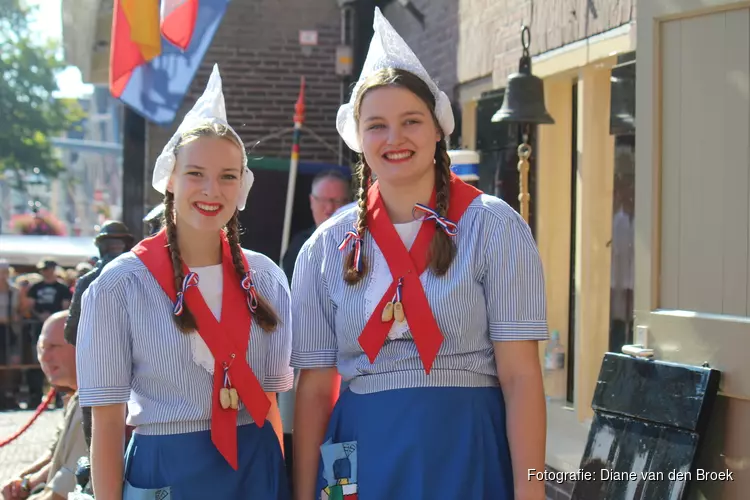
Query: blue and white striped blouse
point(129, 349)
point(493, 291)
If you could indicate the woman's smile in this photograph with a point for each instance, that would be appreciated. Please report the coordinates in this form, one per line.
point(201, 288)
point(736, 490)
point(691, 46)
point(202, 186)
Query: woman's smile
point(399, 156)
point(208, 209)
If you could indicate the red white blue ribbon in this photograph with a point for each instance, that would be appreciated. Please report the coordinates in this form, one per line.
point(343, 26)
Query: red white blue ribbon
point(252, 295)
point(397, 295)
point(227, 382)
point(447, 225)
point(353, 235)
point(191, 279)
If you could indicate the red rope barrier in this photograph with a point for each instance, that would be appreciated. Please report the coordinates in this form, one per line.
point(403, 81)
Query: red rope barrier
point(39, 409)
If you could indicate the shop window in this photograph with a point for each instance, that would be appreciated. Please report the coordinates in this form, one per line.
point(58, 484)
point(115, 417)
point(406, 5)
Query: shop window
point(622, 126)
point(497, 144)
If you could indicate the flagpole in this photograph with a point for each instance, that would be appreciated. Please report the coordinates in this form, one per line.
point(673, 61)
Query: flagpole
point(286, 399)
point(299, 119)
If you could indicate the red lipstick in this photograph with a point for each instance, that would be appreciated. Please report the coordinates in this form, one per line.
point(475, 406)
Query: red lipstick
point(398, 156)
point(208, 209)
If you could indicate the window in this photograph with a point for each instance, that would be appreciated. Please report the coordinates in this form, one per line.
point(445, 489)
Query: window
point(497, 144)
point(622, 126)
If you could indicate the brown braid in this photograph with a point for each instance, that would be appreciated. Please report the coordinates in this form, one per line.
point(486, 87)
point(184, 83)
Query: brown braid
point(442, 247)
point(351, 276)
point(185, 321)
point(266, 317)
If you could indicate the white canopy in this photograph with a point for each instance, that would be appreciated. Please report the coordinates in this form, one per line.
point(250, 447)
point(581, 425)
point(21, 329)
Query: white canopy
point(67, 251)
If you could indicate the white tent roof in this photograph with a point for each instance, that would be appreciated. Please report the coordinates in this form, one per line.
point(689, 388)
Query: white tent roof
point(68, 251)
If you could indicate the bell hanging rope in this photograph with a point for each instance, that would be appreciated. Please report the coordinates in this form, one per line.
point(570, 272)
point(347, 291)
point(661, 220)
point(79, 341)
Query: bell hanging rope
point(524, 152)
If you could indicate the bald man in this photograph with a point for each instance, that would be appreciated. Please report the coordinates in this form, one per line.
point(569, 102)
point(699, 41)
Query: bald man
point(330, 190)
point(52, 477)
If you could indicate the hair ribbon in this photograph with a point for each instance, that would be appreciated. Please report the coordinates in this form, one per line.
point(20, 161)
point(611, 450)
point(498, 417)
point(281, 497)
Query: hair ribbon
point(252, 295)
point(447, 225)
point(190, 280)
point(353, 236)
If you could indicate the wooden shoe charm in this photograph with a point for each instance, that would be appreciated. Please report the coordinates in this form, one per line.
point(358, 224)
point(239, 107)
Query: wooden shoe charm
point(224, 398)
point(387, 315)
point(395, 308)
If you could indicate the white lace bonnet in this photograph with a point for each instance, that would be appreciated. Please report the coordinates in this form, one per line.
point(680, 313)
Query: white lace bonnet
point(388, 50)
point(209, 108)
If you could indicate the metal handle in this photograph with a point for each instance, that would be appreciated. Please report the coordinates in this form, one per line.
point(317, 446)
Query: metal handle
point(638, 351)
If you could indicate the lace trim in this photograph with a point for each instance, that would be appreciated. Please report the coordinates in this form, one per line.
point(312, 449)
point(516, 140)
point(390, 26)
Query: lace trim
point(201, 353)
point(379, 279)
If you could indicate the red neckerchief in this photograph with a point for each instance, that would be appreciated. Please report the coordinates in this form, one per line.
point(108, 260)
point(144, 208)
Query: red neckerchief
point(228, 337)
point(409, 266)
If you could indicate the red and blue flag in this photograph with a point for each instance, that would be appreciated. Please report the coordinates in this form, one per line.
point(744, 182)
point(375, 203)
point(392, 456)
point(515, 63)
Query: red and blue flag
point(157, 47)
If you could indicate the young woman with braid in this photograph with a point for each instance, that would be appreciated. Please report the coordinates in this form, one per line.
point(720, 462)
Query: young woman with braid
point(428, 298)
point(193, 333)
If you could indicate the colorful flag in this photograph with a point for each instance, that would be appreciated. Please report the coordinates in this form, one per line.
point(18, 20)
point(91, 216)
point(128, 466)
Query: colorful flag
point(135, 39)
point(154, 82)
point(178, 21)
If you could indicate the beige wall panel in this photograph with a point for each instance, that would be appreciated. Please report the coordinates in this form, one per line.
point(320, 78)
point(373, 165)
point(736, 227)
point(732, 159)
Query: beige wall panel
point(704, 257)
point(596, 173)
point(735, 190)
point(468, 126)
point(553, 215)
point(671, 161)
point(700, 269)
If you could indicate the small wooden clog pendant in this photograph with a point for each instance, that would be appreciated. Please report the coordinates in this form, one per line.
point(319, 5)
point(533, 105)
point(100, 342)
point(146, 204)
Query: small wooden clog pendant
point(224, 398)
point(387, 313)
point(234, 399)
point(398, 312)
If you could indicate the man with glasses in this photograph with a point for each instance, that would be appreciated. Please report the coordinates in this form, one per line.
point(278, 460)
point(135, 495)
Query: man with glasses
point(330, 191)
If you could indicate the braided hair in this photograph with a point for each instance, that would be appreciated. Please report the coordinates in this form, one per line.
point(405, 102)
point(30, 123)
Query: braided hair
point(264, 314)
point(442, 247)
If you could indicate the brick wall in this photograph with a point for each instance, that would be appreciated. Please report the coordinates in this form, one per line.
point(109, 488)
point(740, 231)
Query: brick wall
point(465, 40)
point(257, 50)
point(435, 43)
point(489, 30)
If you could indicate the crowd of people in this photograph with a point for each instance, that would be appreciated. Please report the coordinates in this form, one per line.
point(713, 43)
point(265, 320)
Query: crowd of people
point(424, 295)
point(26, 301)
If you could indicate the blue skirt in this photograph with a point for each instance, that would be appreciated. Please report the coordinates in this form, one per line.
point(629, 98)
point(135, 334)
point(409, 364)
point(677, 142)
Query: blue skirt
point(189, 467)
point(438, 443)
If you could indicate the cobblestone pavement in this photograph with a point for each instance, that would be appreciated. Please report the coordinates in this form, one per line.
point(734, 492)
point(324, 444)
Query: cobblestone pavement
point(25, 450)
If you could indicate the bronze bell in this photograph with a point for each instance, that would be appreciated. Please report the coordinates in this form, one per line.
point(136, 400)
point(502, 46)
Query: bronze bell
point(524, 94)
